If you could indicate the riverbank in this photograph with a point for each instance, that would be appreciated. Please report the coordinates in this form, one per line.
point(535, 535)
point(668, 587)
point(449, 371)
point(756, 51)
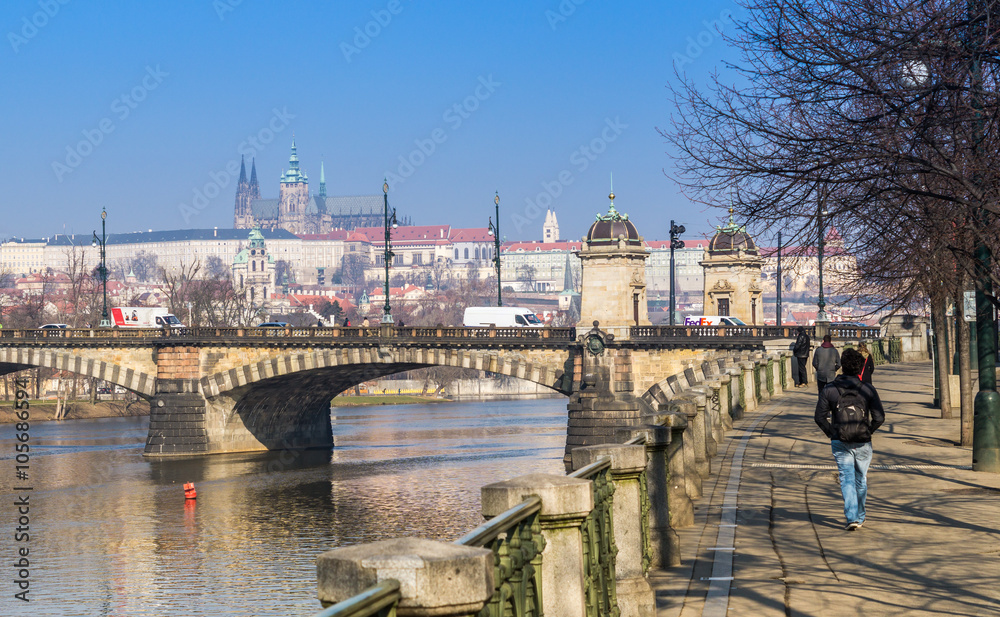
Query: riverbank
point(44, 410)
point(385, 399)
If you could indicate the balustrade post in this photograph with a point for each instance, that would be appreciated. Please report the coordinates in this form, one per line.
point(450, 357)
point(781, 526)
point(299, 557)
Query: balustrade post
point(566, 502)
point(435, 578)
point(786, 362)
point(630, 508)
point(726, 401)
point(694, 441)
point(774, 364)
point(749, 396)
point(664, 544)
point(713, 434)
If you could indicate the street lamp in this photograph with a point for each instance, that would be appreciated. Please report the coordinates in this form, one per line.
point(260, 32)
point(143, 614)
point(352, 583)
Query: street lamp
point(102, 270)
point(675, 243)
point(494, 230)
point(390, 223)
point(777, 321)
point(821, 303)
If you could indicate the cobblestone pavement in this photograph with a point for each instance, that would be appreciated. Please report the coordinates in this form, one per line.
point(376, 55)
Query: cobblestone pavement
point(769, 535)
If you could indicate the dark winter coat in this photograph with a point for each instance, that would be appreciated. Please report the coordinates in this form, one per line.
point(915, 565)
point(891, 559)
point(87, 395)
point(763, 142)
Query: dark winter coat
point(830, 396)
point(801, 348)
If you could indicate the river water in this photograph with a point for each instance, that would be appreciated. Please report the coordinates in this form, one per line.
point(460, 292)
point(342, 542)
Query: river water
point(111, 532)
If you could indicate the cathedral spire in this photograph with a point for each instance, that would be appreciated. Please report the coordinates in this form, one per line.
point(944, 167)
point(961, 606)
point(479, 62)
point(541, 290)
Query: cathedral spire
point(293, 174)
point(254, 187)
point(243, 171)
point(322, 181)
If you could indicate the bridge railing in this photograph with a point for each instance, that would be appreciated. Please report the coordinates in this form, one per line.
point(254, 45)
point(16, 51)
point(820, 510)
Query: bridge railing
point(361, 333)
point(769, 332)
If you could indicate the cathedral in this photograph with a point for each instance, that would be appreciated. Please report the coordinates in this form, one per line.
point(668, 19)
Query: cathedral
point(298, 212)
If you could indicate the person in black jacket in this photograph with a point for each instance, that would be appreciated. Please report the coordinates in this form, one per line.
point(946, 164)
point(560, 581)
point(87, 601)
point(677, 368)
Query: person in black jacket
point(851, 442)
point(801, 352)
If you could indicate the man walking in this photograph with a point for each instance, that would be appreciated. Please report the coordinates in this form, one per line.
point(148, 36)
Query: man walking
point(826, 361)
point(801, 352)
point(849, 412)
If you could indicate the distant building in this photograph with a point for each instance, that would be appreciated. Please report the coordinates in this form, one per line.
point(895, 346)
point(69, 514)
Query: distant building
point(295, 209)
point(550, 230)
point(253, 270)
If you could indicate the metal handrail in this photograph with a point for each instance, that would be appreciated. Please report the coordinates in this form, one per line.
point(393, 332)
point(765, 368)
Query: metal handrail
point(488, 531)
point(591, 470)
point(367, 603)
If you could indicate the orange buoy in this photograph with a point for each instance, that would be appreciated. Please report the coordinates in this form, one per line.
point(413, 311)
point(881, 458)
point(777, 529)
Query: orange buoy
point(189, 492)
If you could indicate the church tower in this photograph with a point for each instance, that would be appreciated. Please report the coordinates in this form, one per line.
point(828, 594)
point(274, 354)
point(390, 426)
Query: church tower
point(293, 196)
point(254, 187)
point(550, 230)
point(241, 212)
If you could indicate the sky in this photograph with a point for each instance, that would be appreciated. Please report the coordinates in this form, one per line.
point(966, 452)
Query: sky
point(146, 108)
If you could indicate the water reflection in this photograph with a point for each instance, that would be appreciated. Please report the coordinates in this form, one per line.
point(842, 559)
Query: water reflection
point(113, 534)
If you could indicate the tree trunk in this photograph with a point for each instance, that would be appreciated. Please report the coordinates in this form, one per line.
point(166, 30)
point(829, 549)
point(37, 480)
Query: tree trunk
point(941, 356)
point(964, 374)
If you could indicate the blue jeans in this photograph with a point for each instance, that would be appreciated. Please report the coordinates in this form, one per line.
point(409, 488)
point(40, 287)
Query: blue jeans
point(853, 460)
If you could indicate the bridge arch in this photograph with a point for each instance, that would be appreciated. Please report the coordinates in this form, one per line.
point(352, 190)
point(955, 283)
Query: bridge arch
point(18, 359)
point(358, 364)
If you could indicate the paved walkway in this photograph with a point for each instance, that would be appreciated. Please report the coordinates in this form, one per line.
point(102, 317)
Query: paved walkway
point(769, 534)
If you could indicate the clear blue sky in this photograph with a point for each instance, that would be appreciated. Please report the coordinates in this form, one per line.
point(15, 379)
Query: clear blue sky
point(139, 107)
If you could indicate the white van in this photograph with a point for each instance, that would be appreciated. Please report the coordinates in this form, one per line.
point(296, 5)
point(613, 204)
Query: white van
point(501, 317)
point(713, 320)
point(143, 317)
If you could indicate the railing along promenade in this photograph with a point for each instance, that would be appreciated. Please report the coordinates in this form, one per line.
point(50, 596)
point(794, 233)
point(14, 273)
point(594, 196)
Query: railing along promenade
point(579, 544)
point(670, 335)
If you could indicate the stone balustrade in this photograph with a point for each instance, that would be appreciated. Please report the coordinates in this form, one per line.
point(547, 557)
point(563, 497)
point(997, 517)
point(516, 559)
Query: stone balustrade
point(570, 545)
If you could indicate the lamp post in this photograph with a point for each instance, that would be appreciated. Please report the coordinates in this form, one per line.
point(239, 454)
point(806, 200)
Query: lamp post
point(390, 223)
point(494, 230)
point(986, 405)
point(675, 243)
point(821, 303)
point(102, 270)
point(777, 308)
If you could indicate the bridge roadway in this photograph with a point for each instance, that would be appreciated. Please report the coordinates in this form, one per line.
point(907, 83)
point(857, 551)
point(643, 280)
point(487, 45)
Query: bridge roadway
point(214, 390)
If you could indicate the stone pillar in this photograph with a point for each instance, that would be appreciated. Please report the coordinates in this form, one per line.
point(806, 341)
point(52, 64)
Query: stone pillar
point(566, 502)
point(775, 362)
point(435, 578)
point(177, 414)
point(749, 396)
point(695, 437)
point(786, 358)
point(714, 432)
point(726, 402)
point(736, 409)
point(760, 365)
point(635, 596)
point(664, 544)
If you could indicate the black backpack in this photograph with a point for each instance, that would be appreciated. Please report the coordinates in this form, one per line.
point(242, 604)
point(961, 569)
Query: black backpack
point(850, 418)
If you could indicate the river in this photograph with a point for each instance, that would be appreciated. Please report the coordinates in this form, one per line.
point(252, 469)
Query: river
point(111, 532)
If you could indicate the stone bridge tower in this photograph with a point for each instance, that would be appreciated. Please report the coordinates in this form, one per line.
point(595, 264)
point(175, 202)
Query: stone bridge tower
point(732, 275)
point(613, 285)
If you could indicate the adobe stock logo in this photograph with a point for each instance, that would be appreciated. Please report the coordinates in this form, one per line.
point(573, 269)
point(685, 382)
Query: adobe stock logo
point(122, 108)
point(31, 27)
point(580, 159)
point(697, 44)
point(363, 37)
point(454, 116)
point(221, 178)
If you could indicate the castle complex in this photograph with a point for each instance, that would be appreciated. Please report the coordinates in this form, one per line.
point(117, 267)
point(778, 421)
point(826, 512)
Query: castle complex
point(297, 211)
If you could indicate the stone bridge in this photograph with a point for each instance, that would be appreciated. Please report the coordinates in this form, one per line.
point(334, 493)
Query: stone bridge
point(215, 390)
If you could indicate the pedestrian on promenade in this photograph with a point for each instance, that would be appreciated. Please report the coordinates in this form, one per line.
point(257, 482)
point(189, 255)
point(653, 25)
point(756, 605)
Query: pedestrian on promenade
point(801, 352)
point(826, 361)
point(848, 412)
point(869, 368)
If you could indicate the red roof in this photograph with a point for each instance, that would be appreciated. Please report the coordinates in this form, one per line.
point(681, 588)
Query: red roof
point(429, 233)
point(471, 234)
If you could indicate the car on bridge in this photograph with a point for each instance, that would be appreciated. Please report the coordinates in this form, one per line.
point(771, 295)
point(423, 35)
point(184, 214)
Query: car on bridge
point(53, 329)
point(273, 324)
